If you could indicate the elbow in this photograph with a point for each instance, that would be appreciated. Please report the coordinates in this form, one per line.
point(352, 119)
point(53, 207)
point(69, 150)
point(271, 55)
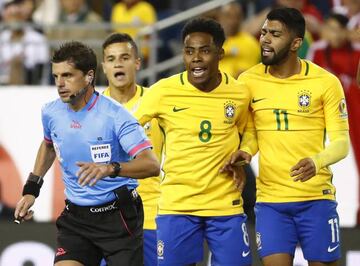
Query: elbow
point(154, 169)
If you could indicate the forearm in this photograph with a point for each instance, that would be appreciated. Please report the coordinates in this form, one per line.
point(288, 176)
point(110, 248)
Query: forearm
point(249, 142)
point(44, 159)
point(144, 165)
point(334, 152)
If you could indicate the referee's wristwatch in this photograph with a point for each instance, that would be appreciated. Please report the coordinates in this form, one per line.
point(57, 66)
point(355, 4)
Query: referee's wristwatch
point(116, 169)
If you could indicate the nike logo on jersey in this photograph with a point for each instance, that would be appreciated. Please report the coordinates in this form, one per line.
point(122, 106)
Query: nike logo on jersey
point(257, 100)
point(179, 109)
point(331, 249)
point(245, 254)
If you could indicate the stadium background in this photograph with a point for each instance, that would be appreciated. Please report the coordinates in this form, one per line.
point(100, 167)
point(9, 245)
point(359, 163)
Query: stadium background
point(20, 127)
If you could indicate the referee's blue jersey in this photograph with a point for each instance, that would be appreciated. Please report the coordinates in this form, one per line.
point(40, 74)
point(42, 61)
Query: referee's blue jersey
point(103, 131)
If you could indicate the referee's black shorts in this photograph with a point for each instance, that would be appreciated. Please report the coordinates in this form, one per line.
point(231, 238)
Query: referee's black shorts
point(113, 231)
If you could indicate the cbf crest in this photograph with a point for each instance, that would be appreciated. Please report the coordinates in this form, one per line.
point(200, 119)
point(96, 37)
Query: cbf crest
point(229, 111)
point(304, 101)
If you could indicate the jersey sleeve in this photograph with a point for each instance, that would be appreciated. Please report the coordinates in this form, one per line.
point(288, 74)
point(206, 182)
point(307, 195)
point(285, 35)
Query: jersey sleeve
point(249, 138)
point(45, 124)
point(334, 104)
point(130, 134)
point(147, 109)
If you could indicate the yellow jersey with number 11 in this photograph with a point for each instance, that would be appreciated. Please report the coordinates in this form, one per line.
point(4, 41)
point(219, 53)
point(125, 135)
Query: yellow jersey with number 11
point(291, 117)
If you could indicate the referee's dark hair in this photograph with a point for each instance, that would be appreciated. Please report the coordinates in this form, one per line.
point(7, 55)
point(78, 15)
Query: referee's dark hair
point(292, 19)
point(120, 38)
point(206, 25)
point(77, 53)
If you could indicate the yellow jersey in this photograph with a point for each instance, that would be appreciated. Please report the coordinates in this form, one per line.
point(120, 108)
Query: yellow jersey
point(291, 117)
point(242, 51)
point(201, 130)
point(149, 188)
point(139, 15)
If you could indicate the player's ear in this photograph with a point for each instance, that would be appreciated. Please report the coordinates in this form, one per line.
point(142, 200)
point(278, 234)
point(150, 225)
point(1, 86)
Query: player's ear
point(296, 43)
point(137, 64)
point(221, 53)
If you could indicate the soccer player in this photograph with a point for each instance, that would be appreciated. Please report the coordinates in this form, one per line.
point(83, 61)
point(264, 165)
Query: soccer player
point(102, 150)
point(120, 63)
point(295, 104)
point(201, 112)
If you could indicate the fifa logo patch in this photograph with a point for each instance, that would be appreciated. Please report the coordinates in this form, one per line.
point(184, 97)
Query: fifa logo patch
point(100, 153)
point(304, 101)
point(258, 240)
point(229, 111)
point(160, 249)
point(343, 109)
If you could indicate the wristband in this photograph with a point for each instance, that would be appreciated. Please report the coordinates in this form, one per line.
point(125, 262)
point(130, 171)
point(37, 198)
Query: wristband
point(33, 185)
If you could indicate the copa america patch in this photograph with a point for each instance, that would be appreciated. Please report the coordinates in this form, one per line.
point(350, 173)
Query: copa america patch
point(160, 249)
point(343, 109)
point(304, 101)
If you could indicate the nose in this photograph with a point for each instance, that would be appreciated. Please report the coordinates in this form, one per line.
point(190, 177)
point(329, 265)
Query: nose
point(60, 82)
point(196, 57)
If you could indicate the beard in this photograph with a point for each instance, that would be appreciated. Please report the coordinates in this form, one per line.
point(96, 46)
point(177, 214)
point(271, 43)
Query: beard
point(278, 56)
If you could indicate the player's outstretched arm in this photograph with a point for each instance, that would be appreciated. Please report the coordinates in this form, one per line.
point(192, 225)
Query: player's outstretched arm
point(338, 148)
point(44, 159)
point(145, 164)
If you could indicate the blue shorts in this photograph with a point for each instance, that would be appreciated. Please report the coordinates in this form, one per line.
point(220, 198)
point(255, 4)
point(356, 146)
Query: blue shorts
point(150, 254)
point(312, 224)
point(181, 238)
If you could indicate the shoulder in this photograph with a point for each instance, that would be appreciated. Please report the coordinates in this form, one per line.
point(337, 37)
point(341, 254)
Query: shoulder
point(145, 6)
point(256, 70)
point(176, 80)
point(316, 71)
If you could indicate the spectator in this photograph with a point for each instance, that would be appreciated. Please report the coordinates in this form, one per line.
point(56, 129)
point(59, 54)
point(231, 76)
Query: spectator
point(133, 14)
point(78, 22)
point(241, 49)
point(335, 52)
point(23, 51)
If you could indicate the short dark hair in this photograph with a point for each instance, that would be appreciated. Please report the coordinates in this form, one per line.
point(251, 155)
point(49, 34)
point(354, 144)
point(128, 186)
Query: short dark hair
point(206, 25)
point(291, 18)
point(341, 19)
point(120, 38)
point(82, 56)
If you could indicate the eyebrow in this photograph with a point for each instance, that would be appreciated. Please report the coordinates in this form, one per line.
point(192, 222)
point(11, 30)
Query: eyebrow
point(201, 47)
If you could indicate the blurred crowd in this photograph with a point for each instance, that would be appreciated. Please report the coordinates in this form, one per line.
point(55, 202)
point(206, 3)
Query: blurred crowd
point(31, 29)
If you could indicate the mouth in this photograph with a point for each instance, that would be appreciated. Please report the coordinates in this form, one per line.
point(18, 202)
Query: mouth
point(266, 51)
point(63, 93)
point(119, 75)
point(198, 72)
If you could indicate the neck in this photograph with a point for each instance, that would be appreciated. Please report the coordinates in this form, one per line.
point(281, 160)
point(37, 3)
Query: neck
point(123, 94)
point(291, 66)
point(211, 84)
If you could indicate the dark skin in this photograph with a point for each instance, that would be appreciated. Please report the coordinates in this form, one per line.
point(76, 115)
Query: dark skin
point(201, 58)
point(279, 51)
